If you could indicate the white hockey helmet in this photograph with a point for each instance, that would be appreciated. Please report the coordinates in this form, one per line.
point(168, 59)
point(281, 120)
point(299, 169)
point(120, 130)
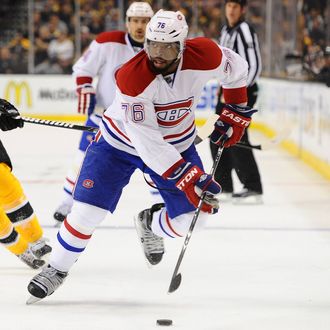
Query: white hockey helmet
point(168, 27)
point(139, 9)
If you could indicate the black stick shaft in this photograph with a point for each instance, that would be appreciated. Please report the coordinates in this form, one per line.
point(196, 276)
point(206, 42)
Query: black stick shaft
point(59, 124)
point(176, 277)
point(248, 146)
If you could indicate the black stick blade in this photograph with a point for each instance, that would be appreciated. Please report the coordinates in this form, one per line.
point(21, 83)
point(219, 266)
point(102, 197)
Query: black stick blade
point(175, 283)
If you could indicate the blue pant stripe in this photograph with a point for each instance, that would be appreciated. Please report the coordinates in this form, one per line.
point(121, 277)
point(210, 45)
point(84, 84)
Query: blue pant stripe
point(67, 191)
point(161, 225)
point(67, 246)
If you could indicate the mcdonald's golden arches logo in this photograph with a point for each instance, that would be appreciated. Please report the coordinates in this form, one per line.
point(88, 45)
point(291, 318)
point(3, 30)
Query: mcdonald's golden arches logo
point(18, 89)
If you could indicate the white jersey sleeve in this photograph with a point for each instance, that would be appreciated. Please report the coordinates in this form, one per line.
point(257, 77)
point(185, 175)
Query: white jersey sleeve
point(89, 64)
point(233, 69)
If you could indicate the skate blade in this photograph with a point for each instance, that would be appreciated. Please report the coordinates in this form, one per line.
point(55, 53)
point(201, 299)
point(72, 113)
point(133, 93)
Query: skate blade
point(225, 198)
point(32, 300)
point(250, 200)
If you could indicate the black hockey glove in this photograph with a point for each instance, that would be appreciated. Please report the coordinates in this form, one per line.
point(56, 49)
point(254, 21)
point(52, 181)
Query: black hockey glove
point(9, 116)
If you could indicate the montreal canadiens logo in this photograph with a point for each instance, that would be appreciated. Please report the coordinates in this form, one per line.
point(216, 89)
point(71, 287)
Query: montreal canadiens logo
point(172, 114)
point(88, 183)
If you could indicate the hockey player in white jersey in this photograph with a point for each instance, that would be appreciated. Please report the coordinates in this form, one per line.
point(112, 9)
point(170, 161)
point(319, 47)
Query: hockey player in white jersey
point(103, 57)
point(151, 126)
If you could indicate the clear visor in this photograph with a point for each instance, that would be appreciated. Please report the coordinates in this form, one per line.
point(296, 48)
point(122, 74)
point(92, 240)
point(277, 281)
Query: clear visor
point(166, 50)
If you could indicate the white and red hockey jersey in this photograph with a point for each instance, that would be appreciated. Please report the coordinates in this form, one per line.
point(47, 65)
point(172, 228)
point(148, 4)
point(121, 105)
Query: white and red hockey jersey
point(105, 55)
point(156, 121)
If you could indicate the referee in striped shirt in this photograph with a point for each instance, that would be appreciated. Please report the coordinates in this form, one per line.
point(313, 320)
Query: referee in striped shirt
point(239, 36)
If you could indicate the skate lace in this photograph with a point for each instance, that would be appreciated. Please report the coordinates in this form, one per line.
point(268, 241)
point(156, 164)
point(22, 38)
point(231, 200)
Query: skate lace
point(50, 279)
point(152, 242)
point(28, 257)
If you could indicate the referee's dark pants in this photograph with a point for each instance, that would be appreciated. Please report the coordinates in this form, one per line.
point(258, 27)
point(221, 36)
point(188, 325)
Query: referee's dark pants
point(240, 159)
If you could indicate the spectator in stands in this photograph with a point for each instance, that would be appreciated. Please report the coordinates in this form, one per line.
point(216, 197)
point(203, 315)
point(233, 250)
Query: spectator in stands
point(37, 22)
point(42, 40)
point(60, 55)
point(86, 38)
point(19, 46)
point(324, 75)
point(61, 51)
point(112, 20)
point(96, 25)
point(66, 15)
point(7, 64)
point(56, 25)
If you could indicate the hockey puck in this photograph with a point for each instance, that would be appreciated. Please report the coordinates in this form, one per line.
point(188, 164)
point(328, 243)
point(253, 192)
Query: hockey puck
point(164, 322)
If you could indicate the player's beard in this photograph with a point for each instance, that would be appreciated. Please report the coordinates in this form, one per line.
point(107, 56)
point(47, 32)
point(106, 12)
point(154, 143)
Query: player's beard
point(170, 67)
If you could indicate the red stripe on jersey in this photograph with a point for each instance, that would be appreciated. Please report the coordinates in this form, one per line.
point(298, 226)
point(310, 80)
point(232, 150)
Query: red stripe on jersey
point(170, 226)
point(135, 75)
point(116, 128)
point(111, 36)
point(84, 80)
point(201, 54)
point(171, 106)
point(74, 232)
point(180, 134)
point(235, 95)
point(97, 136)
point(168, 172)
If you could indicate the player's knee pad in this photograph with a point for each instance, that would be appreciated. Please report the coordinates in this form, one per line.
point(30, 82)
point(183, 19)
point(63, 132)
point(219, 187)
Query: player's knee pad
point(85, 217)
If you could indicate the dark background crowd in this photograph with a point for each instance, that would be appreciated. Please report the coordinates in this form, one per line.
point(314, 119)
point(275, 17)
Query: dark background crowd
point(47, 36)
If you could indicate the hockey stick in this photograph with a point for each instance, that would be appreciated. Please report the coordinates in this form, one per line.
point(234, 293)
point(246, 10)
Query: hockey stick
point(177, 277)
point(203, 132)
point(282, 134)
point(60, 124)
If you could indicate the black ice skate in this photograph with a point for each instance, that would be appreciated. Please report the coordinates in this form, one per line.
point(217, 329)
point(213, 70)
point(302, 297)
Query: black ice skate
point(247, 196)
point(30, 259)
point(40, 248)
point(61, 212)
point(153, 245)
point(45, 283)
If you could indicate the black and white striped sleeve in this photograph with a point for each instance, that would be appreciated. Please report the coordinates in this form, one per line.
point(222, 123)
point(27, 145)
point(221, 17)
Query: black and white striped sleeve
point(248, 47)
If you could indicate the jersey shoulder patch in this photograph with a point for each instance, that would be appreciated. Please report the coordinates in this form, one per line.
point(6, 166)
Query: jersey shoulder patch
point(135, 75)
point(201, 54)
point(111, 36)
